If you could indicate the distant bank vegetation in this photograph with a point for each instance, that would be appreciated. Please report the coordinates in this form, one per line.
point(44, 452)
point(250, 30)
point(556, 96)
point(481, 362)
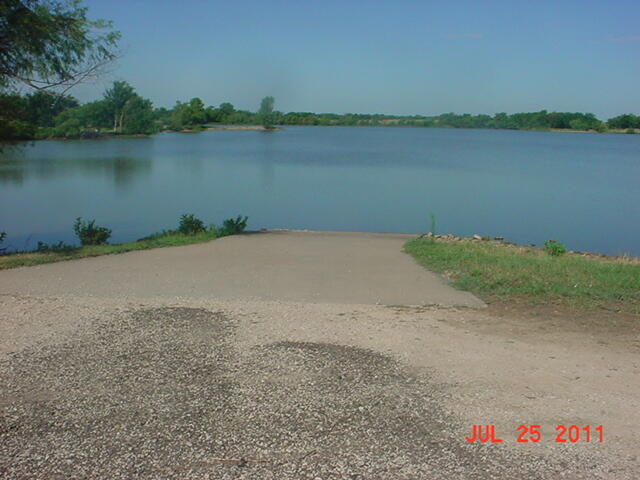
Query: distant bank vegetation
point(122, 111)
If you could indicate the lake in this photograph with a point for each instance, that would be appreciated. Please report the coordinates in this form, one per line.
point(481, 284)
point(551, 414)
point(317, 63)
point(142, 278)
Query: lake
point(581, 189)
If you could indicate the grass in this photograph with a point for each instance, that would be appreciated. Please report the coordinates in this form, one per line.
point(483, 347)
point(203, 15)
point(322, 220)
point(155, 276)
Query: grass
point(164, 239)
point(492, 269)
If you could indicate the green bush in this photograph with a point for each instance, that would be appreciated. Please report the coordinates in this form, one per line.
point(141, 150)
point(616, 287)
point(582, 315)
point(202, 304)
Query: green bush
point(231, 226)
point(89, 233)
point(554, 248)
point(190, 225)
point(630, 131)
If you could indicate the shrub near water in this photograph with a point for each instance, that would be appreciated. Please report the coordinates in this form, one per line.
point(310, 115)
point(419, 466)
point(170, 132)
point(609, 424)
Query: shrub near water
point(231, 226)
point(554, 248)
point(89, 233)
point(190, 224)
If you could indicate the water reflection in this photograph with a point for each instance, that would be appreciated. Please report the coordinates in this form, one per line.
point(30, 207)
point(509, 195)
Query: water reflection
point(16, 168)
point(270, 158)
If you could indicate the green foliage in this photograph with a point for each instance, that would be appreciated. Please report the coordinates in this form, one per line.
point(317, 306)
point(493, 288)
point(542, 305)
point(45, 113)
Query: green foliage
point(89, 233)
point(43, 108)
point(14, 118)
point(625, 121)
point(121, 111)
point(51, 45)
point(187, 115)
point(232, 226)
point(554, 248)
point(227, 109)
point(630, 131)
point(85, 120)
point(115, 101)
point(213, 115)
point(129, 112)
point(11, 129)
point(266, 112)
point(190, 225)
point(541, 120)
point(587, 122)
point(138, 116)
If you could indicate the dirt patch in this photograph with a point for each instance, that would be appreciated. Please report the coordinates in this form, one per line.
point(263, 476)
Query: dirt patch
point(564, 319)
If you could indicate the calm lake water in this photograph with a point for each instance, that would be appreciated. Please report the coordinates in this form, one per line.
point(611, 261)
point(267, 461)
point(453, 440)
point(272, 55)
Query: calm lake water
point(581, 189)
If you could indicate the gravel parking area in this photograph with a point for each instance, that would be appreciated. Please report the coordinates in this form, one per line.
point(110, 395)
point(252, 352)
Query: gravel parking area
point(99, 385)
point(165, 393)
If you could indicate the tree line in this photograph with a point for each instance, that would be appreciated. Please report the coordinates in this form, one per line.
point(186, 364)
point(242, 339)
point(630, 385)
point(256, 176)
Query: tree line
point(51, 46)
point(122, 111)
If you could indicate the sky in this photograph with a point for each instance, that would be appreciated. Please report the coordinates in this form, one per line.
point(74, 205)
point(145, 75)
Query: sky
point(383, 56)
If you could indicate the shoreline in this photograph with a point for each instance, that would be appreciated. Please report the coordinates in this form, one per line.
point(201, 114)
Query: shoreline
point(260, 128)
point(257, 128)
point(12, 259)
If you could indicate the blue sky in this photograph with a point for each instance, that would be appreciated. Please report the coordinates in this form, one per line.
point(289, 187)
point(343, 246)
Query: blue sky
point(397, 57)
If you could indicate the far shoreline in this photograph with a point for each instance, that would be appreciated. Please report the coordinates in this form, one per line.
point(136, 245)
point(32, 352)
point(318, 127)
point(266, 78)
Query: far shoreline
point(260, 128)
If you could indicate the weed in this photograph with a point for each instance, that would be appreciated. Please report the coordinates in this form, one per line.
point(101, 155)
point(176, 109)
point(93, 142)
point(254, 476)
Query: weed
point(89, 233)
point(190, 224)
point(231, 226)
point(554, 248)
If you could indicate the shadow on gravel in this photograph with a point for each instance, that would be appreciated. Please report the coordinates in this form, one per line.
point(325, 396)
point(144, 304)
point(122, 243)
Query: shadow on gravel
point(164, 393)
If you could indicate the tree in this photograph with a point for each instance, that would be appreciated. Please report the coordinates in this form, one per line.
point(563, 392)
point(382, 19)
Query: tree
point(266, 112)
point(116, 99)
point(188, 115)
point(627, 120)
point(227, 109)
point(196, 112)
point(85, 120)
point(139, 116)
point(14, 124)
point(122, 109)
point(51, 45)
point(42, 108)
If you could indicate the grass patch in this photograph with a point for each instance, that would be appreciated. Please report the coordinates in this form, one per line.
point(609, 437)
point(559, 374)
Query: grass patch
point(506, 271)
point(164, 239)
